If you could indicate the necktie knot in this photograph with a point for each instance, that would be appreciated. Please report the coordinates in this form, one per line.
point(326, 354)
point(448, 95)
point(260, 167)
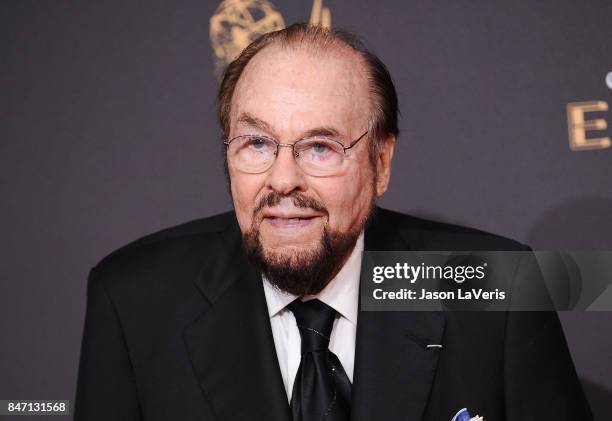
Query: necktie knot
point(315, 320)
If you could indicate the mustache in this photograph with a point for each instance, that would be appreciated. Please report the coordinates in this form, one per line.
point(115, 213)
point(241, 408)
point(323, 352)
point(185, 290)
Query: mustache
point(299, 200)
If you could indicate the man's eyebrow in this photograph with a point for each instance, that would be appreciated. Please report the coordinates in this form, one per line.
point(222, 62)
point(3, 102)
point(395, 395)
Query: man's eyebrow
point(321, 131)
point(257, 123)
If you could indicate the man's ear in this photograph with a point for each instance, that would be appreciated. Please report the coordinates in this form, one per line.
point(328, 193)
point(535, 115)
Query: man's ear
point(383, 164)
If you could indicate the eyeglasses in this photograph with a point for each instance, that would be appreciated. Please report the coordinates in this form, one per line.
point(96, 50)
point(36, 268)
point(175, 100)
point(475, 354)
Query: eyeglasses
point(316, 156)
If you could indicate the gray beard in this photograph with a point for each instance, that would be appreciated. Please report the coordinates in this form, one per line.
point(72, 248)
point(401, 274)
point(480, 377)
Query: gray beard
point(305, 272)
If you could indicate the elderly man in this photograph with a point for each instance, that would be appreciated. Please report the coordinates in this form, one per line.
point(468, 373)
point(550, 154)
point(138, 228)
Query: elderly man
point(254, 314)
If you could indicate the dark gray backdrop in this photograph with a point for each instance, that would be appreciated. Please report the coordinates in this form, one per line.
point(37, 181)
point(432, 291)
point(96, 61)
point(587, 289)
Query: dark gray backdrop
point(108, 132)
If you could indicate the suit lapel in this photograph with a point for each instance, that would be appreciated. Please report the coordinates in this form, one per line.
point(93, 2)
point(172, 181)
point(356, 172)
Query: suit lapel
point(394, 368)
point(231, 345)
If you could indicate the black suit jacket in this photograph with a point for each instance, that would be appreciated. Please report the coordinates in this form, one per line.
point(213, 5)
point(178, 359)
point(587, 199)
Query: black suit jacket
point(177, 328)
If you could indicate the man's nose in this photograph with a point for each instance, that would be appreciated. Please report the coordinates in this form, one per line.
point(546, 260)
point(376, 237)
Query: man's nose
point(285, 175)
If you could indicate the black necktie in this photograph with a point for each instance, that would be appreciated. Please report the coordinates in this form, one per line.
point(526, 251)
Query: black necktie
point(322, 390)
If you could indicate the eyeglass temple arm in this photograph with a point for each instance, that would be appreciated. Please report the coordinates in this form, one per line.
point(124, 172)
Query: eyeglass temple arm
point(354, 142)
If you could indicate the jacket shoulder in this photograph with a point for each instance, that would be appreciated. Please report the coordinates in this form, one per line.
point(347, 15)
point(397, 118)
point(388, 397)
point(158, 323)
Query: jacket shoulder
point(170, 251)
point(202, 226)
point(426, 234)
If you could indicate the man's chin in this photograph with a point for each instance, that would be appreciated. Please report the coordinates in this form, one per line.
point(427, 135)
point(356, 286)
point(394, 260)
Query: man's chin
point(289, 248)
point(299, 269)
point(291, 257)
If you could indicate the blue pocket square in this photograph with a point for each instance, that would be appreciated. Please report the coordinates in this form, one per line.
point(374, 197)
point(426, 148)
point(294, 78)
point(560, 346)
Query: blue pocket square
point(464, 415)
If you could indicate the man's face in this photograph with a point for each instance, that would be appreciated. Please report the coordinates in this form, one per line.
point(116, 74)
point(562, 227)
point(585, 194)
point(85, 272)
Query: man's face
point(286, 95)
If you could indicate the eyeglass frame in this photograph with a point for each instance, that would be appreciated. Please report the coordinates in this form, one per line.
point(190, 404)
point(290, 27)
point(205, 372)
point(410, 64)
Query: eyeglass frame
point(227, 142)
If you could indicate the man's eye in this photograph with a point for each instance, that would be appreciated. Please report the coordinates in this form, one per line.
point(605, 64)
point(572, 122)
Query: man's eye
point(320, 148)
point(257, 143)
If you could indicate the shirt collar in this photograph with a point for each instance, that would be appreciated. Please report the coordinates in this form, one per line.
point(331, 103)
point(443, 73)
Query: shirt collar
point(342, 292)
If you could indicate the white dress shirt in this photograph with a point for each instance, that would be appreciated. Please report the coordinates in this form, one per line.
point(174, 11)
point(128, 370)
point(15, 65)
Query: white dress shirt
point(342, 294)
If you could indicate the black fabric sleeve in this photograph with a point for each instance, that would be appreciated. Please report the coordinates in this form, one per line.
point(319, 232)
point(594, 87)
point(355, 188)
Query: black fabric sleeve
point(106, 388)
point(540, 378)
